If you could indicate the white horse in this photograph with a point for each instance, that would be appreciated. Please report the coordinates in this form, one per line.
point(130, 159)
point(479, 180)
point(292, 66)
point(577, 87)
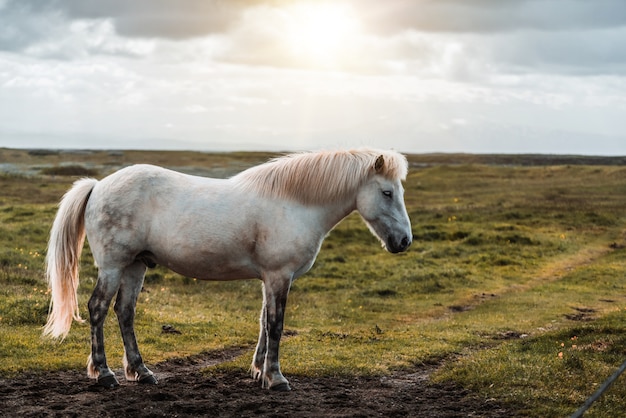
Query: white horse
point(267, 222)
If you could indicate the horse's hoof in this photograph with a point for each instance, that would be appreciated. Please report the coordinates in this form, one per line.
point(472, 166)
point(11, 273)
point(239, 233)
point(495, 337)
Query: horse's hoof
point(108, 382)
point(148, 380)
point(281, 387)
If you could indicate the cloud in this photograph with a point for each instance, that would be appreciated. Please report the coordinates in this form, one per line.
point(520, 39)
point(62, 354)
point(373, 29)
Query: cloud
point(488, 16)
point(66, 29)
point(181, 19)
point(594, 51)
point(189, 18)
point(22, 25)
point(178, 20)
point(452, 39)
point(46, 32)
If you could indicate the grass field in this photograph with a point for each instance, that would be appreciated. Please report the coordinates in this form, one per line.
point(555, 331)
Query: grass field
point(515, 286)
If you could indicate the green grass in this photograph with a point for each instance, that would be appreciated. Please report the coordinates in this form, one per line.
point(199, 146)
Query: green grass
point(576, 339)
point(511, 266)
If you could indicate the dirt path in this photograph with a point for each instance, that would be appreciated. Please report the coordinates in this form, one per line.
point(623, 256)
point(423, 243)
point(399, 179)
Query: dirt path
point(183, 391)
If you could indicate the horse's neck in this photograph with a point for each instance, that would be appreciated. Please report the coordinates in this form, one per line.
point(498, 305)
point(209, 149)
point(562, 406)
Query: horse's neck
point(326, 215)
point(337, 211)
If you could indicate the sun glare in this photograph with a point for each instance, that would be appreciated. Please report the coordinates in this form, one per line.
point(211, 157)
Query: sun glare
point(321, 32)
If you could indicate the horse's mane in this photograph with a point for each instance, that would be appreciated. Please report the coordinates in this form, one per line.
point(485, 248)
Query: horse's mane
point(320, 177)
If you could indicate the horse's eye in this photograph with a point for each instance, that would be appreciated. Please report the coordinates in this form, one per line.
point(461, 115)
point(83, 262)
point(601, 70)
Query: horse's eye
point(388, 193)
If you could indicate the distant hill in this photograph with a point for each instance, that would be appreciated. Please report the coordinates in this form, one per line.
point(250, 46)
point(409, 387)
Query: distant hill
point(224, 164)
point(514, 159)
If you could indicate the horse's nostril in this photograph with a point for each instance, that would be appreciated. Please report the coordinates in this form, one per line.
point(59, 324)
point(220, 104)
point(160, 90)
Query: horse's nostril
point(395, 246)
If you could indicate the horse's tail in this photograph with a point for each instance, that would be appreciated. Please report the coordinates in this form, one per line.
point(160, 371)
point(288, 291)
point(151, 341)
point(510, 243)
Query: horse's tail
point(67, 237)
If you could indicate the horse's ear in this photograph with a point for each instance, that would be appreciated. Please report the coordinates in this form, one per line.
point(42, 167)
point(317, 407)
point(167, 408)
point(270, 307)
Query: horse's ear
point(380, 162)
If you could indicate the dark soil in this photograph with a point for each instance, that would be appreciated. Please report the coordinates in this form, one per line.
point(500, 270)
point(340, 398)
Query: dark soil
point(184, 391)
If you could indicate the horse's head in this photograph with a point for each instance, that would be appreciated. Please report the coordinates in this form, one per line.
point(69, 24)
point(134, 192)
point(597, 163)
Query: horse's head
point(380, 201)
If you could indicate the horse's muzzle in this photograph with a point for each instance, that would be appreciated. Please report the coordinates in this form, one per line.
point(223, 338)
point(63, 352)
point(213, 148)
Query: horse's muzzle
point(395, 247)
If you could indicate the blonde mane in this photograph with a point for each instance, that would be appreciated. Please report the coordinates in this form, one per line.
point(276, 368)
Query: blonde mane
point(320, 177)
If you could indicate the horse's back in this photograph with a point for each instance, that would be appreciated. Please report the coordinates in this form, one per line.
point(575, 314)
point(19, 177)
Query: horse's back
point(145, 178)
point(144, 183)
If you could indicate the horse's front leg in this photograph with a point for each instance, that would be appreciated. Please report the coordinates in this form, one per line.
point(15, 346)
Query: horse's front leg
point(275, 291)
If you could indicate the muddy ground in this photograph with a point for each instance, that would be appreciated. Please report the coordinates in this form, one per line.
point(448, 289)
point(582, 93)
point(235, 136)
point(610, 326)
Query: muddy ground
point(184, 391)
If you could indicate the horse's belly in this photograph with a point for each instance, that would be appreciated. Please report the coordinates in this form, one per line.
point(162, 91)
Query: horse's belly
point(213, 269)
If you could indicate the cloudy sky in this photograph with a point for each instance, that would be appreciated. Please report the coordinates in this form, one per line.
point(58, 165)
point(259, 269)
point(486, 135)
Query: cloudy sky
point(482, 76)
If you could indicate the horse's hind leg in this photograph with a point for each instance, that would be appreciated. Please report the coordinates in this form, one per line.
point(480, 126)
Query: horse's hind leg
point(107, 285)
point(256, 369)
point(132, 280)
